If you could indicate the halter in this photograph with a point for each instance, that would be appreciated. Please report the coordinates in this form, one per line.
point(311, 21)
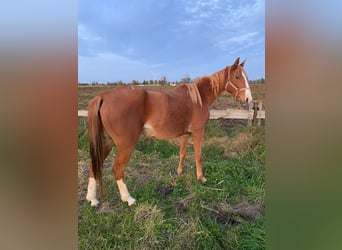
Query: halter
point(237, 90)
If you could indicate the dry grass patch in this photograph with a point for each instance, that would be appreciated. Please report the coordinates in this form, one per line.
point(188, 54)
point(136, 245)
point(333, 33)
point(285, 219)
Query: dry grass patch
point(233, 146)
point(235, 214)
point(82, 171)
point(148, 218)
point(187, 238)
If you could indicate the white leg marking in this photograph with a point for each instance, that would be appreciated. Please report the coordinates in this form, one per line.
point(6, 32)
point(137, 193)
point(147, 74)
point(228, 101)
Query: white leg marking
point(148, 129)
point(248, 94)
point(91, 194)
point(125, 196)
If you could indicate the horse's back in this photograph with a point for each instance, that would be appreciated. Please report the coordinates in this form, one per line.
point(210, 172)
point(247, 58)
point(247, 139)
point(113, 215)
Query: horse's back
point(123, 96)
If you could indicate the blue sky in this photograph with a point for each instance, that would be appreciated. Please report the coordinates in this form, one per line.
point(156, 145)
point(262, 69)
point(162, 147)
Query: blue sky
point(143, 40)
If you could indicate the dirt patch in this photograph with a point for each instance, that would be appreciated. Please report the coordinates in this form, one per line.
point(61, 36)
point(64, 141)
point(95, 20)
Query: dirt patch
point(164, 190)
point(227, 214)
point(182, 206)
point(145, 169)
point(106, 208)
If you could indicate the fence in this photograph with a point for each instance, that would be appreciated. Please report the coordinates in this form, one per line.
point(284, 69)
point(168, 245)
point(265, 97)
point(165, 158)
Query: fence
point(254, 113)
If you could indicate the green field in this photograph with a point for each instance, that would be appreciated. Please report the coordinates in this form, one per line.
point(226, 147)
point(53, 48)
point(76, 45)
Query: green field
point(178, 212)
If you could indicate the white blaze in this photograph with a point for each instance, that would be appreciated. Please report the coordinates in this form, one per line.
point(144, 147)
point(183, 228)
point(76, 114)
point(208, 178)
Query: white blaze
point(248, 94)
point(91, 194)
point(125, 196)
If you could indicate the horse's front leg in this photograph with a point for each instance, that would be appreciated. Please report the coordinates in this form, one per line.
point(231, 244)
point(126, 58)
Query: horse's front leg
point(182, 153)
point(198, 139)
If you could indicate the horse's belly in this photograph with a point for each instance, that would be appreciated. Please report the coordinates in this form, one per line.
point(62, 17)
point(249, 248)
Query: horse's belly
point(165, 132)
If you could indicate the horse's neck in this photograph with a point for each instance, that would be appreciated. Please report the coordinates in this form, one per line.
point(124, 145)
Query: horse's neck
point(211, 87)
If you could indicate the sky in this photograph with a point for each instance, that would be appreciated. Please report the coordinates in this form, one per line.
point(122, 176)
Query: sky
point(150, 39)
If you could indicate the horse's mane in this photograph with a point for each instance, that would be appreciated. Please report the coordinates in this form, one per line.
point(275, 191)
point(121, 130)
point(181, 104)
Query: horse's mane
point(212, 85)
point(215, 83)
point(194, 93)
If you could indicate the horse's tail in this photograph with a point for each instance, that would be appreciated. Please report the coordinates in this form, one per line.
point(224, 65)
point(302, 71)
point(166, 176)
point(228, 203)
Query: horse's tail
point(95, 133)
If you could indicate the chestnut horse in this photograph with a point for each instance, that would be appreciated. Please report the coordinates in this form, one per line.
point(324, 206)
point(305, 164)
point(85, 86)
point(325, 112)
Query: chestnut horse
point(118, 116)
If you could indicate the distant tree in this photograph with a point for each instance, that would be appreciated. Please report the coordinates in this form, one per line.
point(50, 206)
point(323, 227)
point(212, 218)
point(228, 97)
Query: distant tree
point(186, 79)
point(258, 81)
point(163, 80)
point(135, 82)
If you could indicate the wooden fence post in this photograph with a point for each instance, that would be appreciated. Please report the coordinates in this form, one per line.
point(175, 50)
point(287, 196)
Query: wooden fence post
point(255, 111)
point(260, 107)
point(250, 120)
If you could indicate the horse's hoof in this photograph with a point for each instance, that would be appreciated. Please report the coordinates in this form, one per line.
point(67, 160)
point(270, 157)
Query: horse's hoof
point(131, 201)
point(179, 172)
point(94, 202)
point(202, 178)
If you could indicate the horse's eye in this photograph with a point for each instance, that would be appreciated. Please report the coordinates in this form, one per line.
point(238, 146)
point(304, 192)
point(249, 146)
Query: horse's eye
point(236, 77)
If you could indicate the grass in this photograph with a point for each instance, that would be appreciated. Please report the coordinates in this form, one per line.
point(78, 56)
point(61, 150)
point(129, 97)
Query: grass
point(178, 212)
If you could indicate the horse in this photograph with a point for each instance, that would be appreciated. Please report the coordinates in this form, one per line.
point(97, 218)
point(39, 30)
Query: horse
point(118, 116)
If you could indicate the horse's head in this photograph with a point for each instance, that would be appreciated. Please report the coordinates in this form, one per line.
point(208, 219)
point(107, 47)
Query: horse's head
point(237, 83)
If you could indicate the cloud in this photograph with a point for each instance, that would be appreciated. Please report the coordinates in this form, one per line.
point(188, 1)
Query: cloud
point(202, 7)
point(238, 43)
point(196, 12)
point(85, 34)
point(225, 24)
point(126, 41)
point(226, 13)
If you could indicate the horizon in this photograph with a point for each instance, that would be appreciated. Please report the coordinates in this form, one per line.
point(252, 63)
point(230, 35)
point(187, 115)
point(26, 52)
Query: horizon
point(250, 81)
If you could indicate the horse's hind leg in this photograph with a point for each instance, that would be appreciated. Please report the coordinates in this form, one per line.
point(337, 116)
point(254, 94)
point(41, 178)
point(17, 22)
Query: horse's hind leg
point(122, 158)
point(182, 153)
point(91, 191)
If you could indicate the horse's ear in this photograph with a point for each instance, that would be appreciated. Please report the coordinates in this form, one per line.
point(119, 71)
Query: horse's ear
point(243, 63)
point(236, 63)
